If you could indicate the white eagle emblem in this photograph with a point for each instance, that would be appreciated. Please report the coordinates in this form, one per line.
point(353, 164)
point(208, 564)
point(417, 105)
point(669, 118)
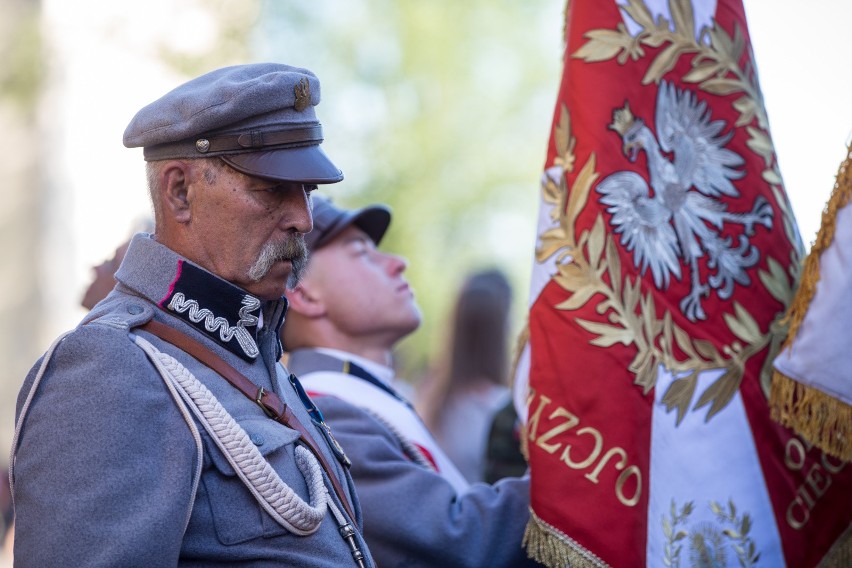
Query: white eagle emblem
point(670, 222)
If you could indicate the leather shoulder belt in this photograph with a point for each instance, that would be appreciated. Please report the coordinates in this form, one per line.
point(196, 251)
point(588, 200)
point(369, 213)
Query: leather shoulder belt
point(273, 406)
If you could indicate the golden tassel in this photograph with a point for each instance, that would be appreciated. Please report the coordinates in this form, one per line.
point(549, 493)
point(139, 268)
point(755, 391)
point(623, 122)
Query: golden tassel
point(840, 195)
point(820, 419)
point(549, 546)
point(840, 554)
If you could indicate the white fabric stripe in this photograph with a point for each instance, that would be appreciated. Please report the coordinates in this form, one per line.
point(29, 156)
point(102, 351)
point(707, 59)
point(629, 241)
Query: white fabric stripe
point(820, 356)
point(364, 395)
point(701, 462)
point(541, 274)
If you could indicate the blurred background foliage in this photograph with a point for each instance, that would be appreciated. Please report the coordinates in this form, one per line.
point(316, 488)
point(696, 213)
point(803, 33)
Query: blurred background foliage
point(442, 110)
point(21, 194)
point(20, 51)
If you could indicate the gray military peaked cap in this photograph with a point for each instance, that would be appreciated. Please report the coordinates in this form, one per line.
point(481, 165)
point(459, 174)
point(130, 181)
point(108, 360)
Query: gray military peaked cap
point(258, 117)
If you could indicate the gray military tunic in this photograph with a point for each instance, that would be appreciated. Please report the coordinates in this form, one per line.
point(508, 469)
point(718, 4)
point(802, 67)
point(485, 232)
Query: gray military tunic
point(413, 516)
point(110, 468)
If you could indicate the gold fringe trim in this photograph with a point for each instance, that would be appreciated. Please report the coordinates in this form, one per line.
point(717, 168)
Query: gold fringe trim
point(548, 545)
point(840, 554)
point(840, 196)
point(819, 418)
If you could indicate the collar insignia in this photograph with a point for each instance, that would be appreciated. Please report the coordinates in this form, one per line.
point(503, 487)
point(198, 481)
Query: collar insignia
point(223, 312)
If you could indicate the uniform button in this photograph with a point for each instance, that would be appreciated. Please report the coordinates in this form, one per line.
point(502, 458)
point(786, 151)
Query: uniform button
point(135, 309)
point(256, 439)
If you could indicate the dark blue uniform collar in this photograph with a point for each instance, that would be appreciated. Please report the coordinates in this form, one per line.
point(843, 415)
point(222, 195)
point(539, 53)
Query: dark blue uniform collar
point(225, 313)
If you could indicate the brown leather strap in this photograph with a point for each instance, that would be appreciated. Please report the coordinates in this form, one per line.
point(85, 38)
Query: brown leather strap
point(273, 406)
point(230, 143)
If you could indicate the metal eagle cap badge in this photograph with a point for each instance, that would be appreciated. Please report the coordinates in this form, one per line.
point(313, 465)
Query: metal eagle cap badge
point(302, 90)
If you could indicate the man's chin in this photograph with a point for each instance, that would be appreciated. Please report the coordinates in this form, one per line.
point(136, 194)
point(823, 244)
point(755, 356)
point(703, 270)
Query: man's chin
point(267, 291)
point(415, 320)
point(273, 284)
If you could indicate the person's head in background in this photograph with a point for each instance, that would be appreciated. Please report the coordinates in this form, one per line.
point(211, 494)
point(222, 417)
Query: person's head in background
point(104, 280)
point(352, 296)
point(480, 329)
point(477, 346)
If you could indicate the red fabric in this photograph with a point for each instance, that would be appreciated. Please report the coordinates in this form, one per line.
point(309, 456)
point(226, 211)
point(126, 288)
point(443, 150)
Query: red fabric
point(572, 379)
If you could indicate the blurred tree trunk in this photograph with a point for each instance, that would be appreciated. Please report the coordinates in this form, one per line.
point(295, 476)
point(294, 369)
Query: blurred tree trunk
point(21, 307)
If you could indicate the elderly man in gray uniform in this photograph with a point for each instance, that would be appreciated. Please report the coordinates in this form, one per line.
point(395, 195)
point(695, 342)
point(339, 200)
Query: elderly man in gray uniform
point(161, 431)
point(346, 315)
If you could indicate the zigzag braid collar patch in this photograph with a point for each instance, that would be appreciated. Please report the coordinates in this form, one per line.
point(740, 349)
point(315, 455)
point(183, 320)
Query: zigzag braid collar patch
point(220, 310)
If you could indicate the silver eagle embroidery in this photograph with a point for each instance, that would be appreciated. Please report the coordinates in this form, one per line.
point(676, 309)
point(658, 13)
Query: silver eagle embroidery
point(670, 221)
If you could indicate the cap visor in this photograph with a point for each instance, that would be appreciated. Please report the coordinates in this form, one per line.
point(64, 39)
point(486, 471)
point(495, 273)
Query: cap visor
point(307, 164)
point(373, 220)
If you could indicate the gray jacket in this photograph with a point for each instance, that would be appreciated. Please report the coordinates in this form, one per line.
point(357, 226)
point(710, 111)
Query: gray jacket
point(109, 467)
point(413, 517)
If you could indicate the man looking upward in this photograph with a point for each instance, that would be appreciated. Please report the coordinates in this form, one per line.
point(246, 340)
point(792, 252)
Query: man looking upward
point(346, 315)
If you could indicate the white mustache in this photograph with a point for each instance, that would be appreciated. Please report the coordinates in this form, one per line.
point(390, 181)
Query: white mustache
point(292, 249)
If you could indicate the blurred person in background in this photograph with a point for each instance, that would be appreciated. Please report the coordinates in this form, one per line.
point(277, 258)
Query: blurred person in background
point(345, 317)
point(459, 401)
point(504, 456)
point(161, 431)
point(104, 280)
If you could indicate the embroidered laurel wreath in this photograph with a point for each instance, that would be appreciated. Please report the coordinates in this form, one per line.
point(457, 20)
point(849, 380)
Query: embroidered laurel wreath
point(588, 264)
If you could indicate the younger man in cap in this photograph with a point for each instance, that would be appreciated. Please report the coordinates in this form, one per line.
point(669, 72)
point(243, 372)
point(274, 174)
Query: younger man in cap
point(161, 431)
point(350, 309)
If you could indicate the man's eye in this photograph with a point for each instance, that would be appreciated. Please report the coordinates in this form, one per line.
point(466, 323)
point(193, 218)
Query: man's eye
point(309, 188)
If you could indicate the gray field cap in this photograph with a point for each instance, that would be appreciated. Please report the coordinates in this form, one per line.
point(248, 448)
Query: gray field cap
point(259, 118)
point(330, 221)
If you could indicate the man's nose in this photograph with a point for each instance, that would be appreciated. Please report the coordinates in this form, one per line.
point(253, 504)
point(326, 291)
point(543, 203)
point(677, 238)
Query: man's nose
point(297, 214)
point(396, 264)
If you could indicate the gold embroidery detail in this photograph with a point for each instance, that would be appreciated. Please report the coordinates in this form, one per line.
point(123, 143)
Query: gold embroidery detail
point(548, 545)
point(709, 542)
point(631, 315)
point(590, 265)
point(622, 120)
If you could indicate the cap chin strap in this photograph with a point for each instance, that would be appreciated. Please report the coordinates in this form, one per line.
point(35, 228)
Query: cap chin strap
point(223, 144)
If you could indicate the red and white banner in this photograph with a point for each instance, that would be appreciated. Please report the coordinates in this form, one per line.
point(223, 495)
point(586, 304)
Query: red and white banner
point(666, 256)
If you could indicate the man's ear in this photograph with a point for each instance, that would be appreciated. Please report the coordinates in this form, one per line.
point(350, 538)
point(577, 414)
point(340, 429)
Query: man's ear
point(304, 300)
point(175, 178)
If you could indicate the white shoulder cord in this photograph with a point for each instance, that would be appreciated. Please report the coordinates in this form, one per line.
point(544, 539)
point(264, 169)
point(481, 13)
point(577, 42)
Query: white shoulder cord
point(270, 491)
point(408, 447)
point(40, 374)
point(25, 407)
